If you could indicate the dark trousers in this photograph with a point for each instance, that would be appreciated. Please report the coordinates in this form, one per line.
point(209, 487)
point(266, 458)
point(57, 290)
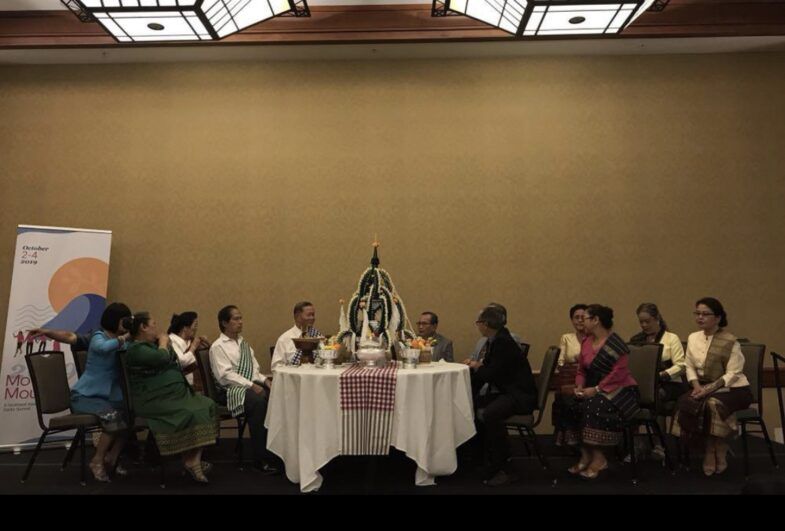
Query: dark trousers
point(492, 431)
point(255, 411)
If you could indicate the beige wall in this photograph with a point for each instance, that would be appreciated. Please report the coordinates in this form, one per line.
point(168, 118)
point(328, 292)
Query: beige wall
point(537, 182)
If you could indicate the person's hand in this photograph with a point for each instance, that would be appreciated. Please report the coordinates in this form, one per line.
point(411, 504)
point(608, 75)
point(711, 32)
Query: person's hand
point(163, 341)
point(198, 343)
point(698, 392)
point(467, 361)
point(589, 392)
point(36, 331)
point(257, 389)
point(475, 364)
point(578, 392)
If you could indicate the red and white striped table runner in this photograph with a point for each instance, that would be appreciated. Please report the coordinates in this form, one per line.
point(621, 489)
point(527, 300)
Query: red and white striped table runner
point(367, 404)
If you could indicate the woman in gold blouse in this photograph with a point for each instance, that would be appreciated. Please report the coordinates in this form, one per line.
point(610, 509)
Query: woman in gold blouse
point(719, 388)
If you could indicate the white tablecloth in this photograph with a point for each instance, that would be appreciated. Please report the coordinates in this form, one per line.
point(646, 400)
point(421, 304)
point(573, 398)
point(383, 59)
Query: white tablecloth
point(433, 415)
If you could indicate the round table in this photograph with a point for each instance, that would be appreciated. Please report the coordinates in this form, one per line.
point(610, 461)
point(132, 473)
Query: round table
point(433, 415)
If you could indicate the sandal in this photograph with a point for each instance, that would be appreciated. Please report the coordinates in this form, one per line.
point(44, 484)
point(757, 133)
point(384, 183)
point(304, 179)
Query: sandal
point(99, 472)
point(577, 469)
point(710, 460)
point(197, 473)
point(709, 468)
point(722, 458)
point(206, 467)
point(590, 473)
point(117, 469)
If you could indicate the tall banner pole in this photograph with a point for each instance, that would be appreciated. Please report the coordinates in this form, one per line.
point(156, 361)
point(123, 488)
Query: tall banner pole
point(59, 281)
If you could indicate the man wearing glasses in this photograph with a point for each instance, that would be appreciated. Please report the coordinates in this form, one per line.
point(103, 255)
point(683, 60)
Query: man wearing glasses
point(482, 344)
point(504, 386)
point(426, 327)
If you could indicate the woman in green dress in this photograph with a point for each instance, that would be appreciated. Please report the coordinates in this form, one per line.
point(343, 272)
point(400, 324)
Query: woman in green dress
point(181, 421)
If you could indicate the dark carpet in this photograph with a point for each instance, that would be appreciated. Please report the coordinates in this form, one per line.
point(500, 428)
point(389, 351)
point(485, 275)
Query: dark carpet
point(394, 474)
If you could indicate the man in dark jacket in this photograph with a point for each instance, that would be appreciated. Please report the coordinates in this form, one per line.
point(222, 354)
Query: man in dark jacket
point(503, 385)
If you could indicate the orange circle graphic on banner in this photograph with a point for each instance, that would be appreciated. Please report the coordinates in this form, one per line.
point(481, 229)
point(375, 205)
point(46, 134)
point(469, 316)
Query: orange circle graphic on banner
point(78, 277)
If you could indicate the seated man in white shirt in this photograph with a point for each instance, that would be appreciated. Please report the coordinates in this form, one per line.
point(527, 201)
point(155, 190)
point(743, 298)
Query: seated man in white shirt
point(285, 352)
point(245, 389)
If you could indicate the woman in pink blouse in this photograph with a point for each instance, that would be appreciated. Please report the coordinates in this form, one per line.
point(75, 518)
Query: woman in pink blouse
point(605, 391)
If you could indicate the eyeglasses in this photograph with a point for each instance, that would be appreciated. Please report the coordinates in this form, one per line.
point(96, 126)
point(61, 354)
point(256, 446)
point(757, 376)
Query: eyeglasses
point(702, 314)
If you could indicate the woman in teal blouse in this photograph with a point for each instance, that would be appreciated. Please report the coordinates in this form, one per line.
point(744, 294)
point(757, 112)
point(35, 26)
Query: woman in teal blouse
point(98, 391)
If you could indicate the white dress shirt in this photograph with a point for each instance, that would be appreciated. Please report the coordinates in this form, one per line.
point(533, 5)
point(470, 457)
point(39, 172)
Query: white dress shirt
point(224, 360)
point(570, 348)
point(284, 347)
point(697, 349)
point(184, 357)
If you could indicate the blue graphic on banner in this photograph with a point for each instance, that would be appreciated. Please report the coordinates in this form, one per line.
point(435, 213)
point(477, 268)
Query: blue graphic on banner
point(81, 315)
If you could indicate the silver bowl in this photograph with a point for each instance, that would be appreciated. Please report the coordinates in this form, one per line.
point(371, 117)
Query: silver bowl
point(328, 358)
point(372, 357)
point(410, 358)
